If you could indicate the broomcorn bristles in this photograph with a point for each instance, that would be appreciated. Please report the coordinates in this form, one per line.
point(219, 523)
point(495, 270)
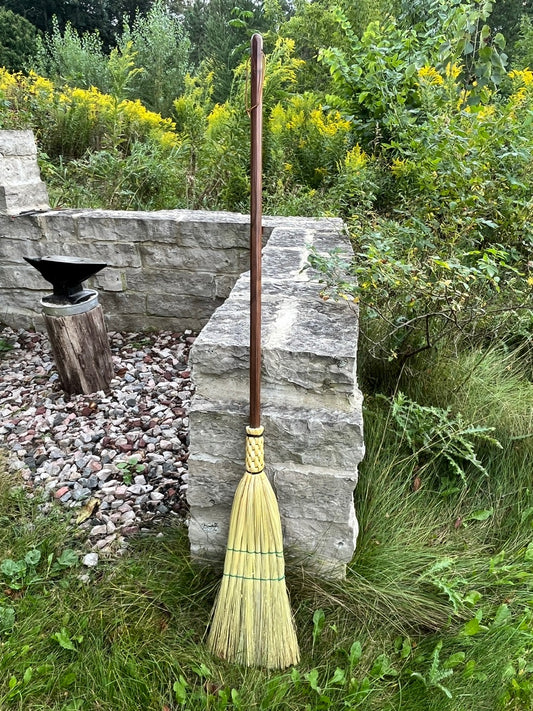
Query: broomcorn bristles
point(252, 621)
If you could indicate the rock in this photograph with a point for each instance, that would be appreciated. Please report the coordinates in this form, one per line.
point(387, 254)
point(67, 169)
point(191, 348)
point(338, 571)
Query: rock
point(98, 530)
point(81, 494)
point(90, 560)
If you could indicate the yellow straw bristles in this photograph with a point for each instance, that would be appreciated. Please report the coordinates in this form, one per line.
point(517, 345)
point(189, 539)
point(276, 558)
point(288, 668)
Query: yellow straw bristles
point(252, 622)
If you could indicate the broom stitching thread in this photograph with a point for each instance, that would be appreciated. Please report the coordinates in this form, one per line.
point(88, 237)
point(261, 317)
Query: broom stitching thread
point(240, 550)
point(261, 580)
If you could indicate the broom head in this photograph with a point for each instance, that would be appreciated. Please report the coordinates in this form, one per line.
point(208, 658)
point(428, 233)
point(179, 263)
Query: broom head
point(252, 623)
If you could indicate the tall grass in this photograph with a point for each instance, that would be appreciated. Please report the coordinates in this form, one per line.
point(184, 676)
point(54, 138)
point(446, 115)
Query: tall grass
point(435, 613)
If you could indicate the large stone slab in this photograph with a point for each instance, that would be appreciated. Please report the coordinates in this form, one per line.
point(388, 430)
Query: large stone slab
point(21, 187)
point(312, 407)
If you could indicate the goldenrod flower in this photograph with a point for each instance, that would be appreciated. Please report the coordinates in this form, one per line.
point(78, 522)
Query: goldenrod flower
point(430, 76)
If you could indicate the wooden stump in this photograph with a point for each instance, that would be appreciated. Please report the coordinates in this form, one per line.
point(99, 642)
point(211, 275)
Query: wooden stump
point(81, 350)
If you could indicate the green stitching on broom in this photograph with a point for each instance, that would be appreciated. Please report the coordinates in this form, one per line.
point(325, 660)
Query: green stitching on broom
point(240, 550)
point(251, 577)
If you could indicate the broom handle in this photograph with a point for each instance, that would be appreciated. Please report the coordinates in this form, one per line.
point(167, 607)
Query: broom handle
point(256, 229)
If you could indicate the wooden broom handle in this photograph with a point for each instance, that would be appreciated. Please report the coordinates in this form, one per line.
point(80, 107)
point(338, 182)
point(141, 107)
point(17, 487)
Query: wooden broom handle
point(256, 228)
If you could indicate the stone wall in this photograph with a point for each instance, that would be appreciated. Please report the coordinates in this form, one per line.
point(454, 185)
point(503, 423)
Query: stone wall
point(179, 269)
point(167, 269)
point(311, 406)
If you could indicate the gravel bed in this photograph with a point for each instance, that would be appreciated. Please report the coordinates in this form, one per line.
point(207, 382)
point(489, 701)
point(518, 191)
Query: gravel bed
point(118, 459)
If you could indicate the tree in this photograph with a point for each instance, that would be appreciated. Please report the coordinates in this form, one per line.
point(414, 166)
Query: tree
point(313, 27)
point(18, 40)
point(506, 16)
point(106, 16)
point(220, 34)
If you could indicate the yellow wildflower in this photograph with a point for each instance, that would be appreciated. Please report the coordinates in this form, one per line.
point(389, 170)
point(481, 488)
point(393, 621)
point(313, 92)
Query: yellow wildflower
point(429, 76)
point(277, 119)
point(485, 113)
point(401, 167)
point(218, 116)
point(452, 71)
point(355, 159)
point(7, 80)
point(523, 76)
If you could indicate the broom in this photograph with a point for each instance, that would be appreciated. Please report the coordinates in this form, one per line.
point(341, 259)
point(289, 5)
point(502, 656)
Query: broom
point(252, 622)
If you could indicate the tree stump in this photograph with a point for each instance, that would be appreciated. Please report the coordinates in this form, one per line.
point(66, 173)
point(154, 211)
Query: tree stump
point(81, 350)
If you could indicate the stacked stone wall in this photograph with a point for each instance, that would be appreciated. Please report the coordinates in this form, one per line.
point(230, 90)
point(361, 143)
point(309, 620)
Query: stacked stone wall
point(166, 269)
point(311, 406)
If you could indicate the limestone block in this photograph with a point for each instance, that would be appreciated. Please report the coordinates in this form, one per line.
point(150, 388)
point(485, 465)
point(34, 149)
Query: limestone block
point(208, 533)
point(109, 280)
point(124, 226)
point(311, 405)
point(224, 284)
point(19, 229)
point(315, 438)
point(173, 304)
point(118, 321)
point(21, 187)
point(17, 143)
point(329, 224)
point(303, 356)
point(172, 281)
point(165, 323)
point(217, 432)
point(18, 198)
point(213, 230)
point(25, 300)
point(311, 458)
point(20, 170)
point(116, 254)
point(123, 303)
point(322, 547)
point(214, 482)
point(185, 228)
point(18, 318)
point(22, 276)
point(315, 493)
point(286, 261)
point(191, 258)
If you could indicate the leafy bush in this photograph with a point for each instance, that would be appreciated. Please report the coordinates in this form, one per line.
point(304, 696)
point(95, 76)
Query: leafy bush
point(18, 40)
point(307, 141)
point(78, 60)
point(161, 48)
point(434, 434)
point(70, 121)
point(147, 177)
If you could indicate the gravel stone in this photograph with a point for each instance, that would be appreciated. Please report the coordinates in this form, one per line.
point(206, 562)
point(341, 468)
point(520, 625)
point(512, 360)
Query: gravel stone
point(69, 446)
point(90, 560)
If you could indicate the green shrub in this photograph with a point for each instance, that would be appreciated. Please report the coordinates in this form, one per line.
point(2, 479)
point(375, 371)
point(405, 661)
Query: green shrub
point(78, 60)
point(18, 40)
point(161, 46)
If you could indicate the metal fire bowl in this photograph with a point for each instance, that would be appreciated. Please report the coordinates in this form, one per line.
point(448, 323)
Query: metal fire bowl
point(53, 308)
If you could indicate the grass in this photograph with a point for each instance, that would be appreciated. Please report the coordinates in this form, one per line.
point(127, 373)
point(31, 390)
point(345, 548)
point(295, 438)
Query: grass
point(436, 613)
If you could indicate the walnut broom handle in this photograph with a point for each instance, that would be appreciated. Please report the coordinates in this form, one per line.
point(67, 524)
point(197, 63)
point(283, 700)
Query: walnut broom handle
point(256, 228)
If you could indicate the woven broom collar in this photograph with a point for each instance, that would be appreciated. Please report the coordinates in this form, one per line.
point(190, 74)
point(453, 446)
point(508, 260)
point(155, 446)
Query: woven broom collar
point(254, 457)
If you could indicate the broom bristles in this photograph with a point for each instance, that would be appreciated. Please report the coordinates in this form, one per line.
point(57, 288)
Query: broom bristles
point(252, 622)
